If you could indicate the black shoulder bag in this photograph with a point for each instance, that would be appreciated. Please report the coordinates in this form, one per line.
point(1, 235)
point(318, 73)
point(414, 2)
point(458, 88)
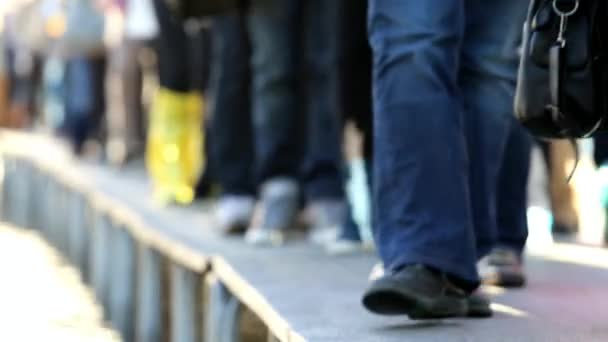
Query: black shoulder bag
point(562, 89)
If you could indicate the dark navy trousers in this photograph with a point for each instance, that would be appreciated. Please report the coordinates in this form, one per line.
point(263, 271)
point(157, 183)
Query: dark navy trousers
point(450, 162)
point(274, 98)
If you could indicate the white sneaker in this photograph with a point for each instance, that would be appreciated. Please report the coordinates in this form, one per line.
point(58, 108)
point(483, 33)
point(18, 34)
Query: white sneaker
point(344, 247)
point(326, 219)
point(233, 213)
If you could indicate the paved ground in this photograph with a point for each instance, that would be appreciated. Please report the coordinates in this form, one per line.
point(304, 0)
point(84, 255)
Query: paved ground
point(41, 297)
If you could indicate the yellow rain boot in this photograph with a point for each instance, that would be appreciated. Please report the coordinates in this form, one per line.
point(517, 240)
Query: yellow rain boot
point(175, 151)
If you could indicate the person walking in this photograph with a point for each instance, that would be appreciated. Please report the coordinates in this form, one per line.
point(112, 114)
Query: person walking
point(443, 83)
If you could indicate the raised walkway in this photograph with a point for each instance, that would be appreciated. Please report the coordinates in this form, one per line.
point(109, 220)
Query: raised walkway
point(169, 274)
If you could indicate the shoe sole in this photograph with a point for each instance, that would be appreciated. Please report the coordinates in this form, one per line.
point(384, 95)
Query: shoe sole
point(480, 314)
point(506, 279)
point(392, 300)
point(479, 311)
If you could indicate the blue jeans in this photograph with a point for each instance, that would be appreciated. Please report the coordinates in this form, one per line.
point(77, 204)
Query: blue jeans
point(84, 98)
point(512, 199)
point(231, 133)
point(283, 116)
point(444, 77)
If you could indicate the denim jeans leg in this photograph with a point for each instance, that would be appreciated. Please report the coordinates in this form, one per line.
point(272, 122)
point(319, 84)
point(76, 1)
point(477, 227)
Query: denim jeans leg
point(488, 73)
point(421, 208)
point(84, 98)
point(322, 161)
point(512, 190)
point(601, 148)
point(231, 138)
point(274, 107)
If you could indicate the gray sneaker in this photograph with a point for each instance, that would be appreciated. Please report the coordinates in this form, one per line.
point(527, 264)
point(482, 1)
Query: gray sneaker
point(275, 212)
point(502, 267)
point(326, 218)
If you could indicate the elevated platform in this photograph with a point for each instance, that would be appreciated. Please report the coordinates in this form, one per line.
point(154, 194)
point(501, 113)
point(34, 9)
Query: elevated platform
point(168, 274)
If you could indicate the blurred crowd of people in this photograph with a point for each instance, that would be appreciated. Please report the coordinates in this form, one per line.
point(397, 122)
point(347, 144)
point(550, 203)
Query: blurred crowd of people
point(254, 106)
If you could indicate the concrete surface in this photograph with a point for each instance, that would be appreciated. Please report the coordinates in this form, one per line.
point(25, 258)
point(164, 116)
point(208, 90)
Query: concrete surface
point(566, 298)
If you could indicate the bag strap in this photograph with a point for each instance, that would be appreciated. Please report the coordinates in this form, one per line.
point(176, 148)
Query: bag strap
point(564, 9)
point(556, 79)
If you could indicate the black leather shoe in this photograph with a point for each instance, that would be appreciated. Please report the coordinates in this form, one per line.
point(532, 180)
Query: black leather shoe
point(416, 291)
point(478, 306)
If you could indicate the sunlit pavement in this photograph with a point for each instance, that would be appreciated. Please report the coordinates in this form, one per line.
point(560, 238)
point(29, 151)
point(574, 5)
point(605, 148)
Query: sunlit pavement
point(41, 297)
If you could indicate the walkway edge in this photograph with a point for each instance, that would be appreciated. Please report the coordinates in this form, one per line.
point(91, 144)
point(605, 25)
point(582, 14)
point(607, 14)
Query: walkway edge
point(29, 149)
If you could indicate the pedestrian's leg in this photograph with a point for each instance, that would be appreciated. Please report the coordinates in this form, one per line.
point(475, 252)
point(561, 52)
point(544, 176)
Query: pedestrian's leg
point(354, 85)
point(133, 95)
point(422, 214)
point(601, 149)
point(322, 163)
point(274, 107)
point(132, 81)
point(276, 118)
point(232, 147)
point(172, 51)
point(564, 195)
point(4, 96)
point(512, 191)
point(488, 73)
point(84, 99)
point(124, 83)
point(98, 97)
point(174, 149)
point(504, 266)
point(230, 115)
point(4, 81)
point(23, 88)
point(421, 211)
